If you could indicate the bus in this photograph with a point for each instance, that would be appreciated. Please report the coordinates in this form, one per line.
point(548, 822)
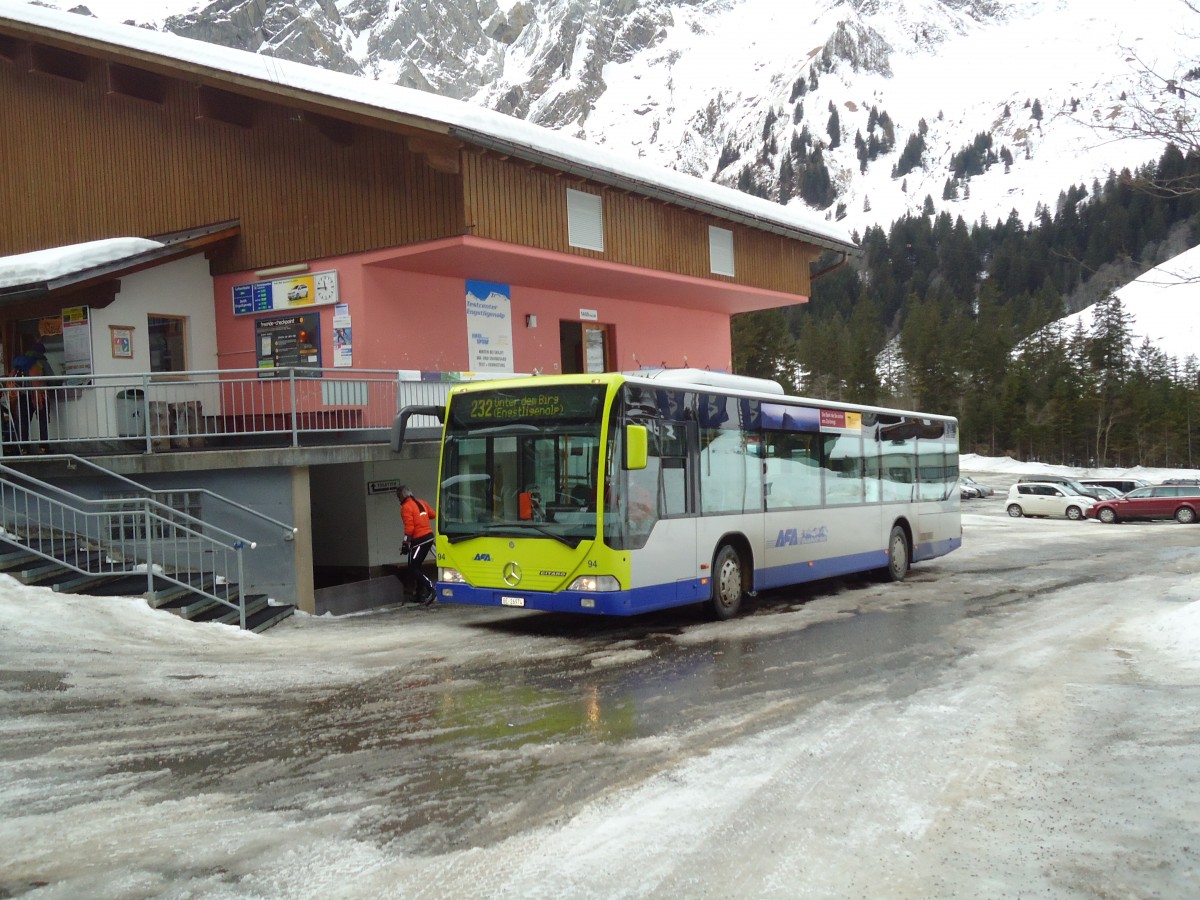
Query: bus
point(623, 493)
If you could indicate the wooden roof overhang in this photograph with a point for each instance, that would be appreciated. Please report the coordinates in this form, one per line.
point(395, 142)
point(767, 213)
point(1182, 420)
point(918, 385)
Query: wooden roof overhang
point(97, 286)
point(439, 141)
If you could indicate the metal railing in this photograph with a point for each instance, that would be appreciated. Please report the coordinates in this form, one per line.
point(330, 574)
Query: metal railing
point(151, 413)
point(127, 536)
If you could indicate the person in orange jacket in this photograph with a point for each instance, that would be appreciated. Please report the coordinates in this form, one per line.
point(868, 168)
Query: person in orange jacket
point(418, 537)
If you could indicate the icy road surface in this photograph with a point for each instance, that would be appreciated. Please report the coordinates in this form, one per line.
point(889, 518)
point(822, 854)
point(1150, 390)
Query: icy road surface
point(1017, 719)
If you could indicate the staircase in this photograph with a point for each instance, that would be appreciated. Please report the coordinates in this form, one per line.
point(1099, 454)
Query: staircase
point(32, 568)
point(53, 538)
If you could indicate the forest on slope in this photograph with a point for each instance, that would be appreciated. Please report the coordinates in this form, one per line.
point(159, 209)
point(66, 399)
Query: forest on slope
point(954, 318)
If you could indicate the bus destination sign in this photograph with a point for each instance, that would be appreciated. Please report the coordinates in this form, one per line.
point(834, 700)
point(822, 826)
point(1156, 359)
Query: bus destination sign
point(572, 402)
point(508, 409)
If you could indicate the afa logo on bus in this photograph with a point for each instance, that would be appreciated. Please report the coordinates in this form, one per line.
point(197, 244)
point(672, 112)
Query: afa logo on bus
point(794, 537)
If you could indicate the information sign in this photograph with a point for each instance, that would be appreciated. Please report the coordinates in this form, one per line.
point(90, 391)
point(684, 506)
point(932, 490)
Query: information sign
point(288, 342)
point(317, 289)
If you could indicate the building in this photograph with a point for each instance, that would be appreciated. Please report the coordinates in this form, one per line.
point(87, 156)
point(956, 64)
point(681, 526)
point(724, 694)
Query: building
point(202, 209)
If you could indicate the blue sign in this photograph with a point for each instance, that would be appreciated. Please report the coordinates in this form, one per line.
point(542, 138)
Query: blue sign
point(242, 302)
point(248, 298)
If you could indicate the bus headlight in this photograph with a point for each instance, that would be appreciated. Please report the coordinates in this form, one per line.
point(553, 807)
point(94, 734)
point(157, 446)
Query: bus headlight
point(452, 576)
point(594, 583)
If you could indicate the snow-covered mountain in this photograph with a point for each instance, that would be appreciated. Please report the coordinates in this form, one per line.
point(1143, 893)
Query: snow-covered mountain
point(1163, 306)
point(743, 90)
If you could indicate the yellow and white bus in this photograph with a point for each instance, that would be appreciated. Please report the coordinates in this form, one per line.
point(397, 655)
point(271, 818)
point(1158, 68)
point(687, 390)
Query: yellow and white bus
point(622, 493)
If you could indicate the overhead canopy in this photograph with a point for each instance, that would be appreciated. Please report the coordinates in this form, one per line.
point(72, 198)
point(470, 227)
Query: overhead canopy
point(78, 267)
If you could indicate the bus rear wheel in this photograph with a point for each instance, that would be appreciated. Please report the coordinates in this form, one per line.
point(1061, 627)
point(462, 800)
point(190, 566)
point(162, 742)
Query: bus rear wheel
point(897, 566)
point(728, 584)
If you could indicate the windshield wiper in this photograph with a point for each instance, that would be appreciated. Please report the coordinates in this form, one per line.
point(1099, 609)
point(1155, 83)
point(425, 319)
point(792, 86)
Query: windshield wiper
point(513, 529)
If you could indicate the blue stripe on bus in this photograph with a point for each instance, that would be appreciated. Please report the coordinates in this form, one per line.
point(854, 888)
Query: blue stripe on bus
point(934, 549)
point(607, 603)
point(798, 573)
point(664, 596)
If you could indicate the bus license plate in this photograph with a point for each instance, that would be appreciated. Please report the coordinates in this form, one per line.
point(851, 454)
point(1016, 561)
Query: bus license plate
point(512, 601)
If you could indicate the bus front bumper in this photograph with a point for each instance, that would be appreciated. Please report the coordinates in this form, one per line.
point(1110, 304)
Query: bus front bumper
point(600, 603)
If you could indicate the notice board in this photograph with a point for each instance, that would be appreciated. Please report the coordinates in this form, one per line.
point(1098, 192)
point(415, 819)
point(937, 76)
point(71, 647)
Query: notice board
point(288, 342)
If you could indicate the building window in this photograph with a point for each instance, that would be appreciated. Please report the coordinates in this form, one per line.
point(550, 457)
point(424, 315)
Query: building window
point(720, 251)
point(168, 343)
point(585, 220)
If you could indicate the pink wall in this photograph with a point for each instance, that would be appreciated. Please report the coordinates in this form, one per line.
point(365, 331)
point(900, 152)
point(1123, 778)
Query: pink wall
point(406, 320)
point(645, 334)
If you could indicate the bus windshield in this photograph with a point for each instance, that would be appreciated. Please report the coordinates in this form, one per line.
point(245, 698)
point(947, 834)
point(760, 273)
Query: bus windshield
point(523, 462)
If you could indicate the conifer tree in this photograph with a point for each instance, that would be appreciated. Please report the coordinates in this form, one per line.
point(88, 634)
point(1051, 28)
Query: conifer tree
point(834, 127)
point(763, 347)
point(866, 338)
point(910, 158)
point(787, 180)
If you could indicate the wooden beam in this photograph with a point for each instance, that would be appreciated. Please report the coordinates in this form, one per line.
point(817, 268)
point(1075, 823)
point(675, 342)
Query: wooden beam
point(60, 63)
point(336, 131)
point(439, 154)
point(223, 106)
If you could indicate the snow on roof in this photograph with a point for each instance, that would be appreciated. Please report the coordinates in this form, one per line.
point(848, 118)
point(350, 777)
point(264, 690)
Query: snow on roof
point(46, 265)
point(471, 121)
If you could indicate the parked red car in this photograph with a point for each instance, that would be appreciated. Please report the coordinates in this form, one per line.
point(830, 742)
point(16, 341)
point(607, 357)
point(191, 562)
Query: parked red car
point(1180, 502)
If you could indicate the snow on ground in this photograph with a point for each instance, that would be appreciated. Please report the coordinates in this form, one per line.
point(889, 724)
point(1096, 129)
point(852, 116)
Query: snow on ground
point(972, 463)
point(105, 627)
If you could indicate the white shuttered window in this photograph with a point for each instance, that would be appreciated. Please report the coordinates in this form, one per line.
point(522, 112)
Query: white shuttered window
point(585, 221)
point(720, 251)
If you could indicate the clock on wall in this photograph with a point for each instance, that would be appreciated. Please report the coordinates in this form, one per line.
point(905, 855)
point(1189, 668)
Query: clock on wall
point(325, 287)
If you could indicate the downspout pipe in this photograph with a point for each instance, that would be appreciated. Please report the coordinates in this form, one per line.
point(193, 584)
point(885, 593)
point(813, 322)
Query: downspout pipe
point(832, 268)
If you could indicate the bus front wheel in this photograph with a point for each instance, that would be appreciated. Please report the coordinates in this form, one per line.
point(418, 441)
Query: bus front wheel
point(728, 583)
point(897, 566)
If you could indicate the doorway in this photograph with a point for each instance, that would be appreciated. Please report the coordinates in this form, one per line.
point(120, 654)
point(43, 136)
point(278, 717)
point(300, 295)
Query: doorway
point(28, 332)
point(586, 347)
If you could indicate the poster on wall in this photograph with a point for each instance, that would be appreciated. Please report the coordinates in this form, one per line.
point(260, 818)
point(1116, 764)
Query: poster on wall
point(489, 327)
point(77, 341)
point(317, 289)
point(343, 341)
point(288, 342)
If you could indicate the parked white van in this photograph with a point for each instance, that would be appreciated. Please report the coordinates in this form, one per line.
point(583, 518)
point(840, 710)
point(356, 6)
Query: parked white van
point(1038, 498)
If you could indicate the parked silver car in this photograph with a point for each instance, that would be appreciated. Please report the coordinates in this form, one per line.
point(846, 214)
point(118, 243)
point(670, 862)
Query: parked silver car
point(1120, 485)
point(981, 489)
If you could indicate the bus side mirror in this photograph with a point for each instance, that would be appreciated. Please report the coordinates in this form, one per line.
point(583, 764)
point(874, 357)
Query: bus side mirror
point(400, 423)
point(636, 443)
